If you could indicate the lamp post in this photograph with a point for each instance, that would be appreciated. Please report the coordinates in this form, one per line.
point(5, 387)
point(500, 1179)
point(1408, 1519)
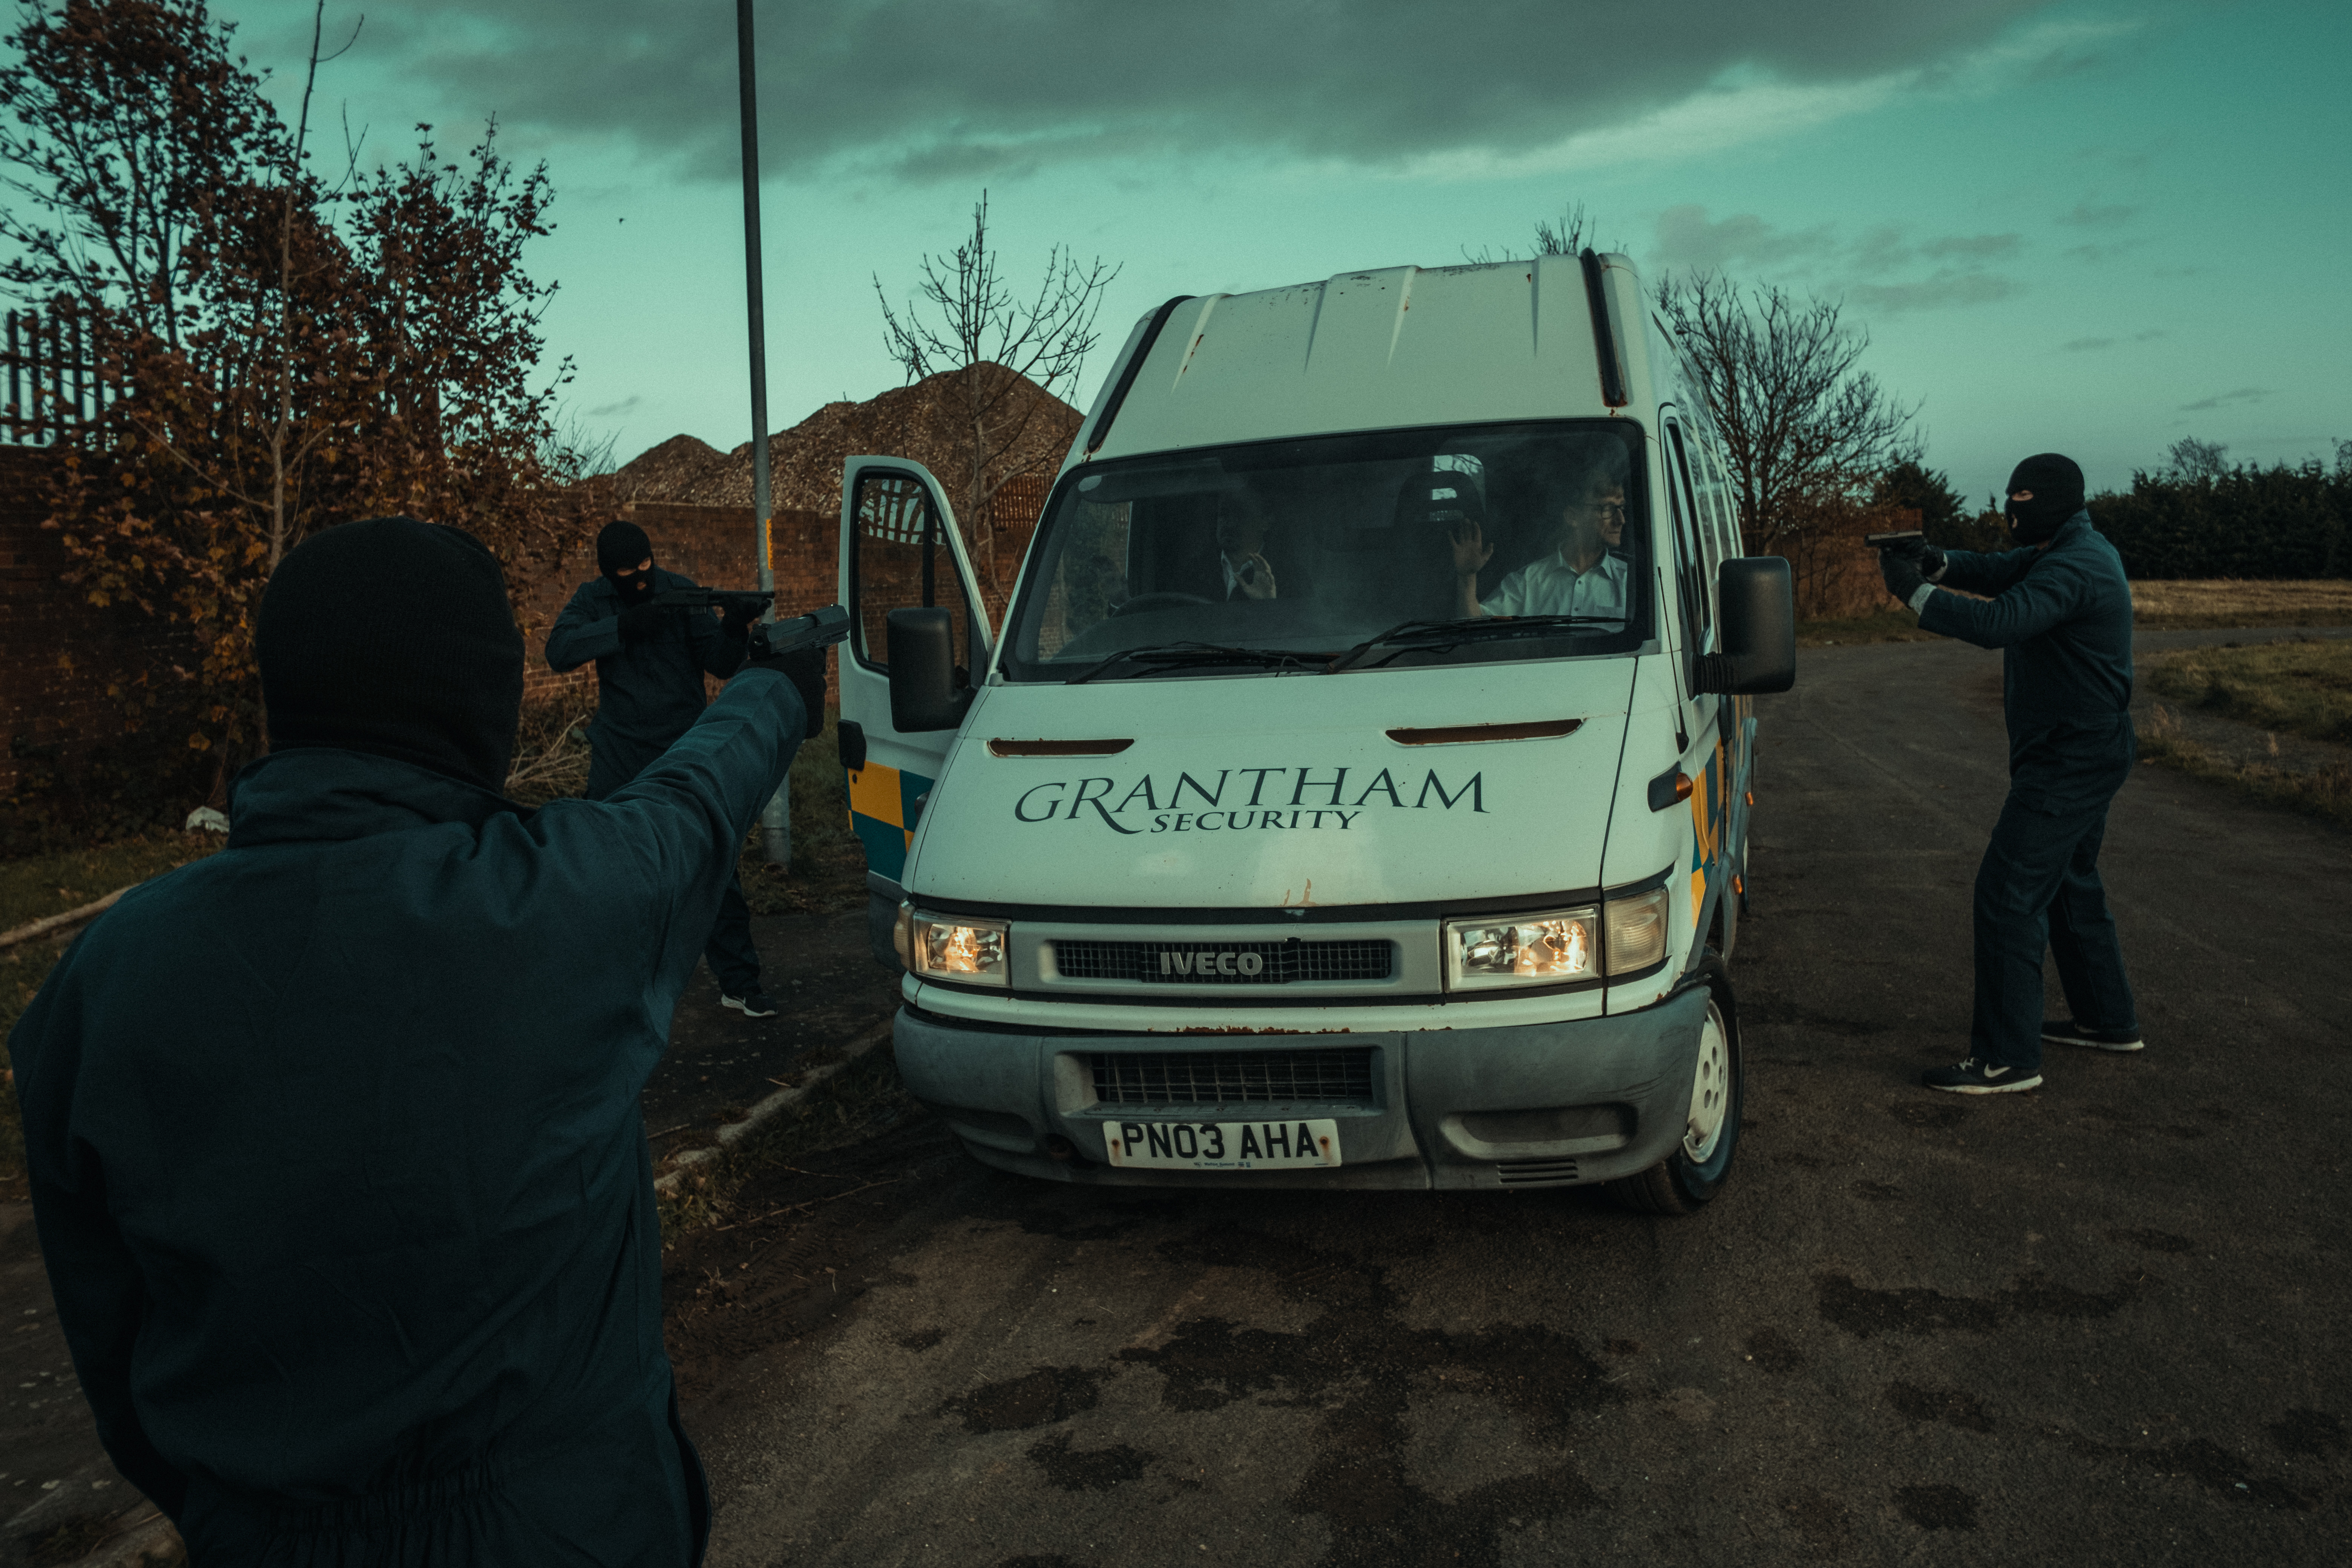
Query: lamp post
point(776, 816)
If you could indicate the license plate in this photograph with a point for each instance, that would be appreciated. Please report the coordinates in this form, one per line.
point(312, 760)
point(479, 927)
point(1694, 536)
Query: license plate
point(1222, 1145)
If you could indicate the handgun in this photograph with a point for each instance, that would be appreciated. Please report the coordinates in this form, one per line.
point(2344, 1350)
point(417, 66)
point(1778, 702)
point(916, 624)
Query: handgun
point(819, 629)
point(1903, 536)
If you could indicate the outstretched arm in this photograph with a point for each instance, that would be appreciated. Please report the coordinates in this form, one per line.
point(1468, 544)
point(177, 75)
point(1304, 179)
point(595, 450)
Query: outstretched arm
point(2032, 605)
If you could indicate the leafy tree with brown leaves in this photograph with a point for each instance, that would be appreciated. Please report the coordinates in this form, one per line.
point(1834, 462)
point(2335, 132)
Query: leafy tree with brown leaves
point(283, 354)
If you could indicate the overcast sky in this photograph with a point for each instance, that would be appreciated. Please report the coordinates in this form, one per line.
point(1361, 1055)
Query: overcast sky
point(2089, 228)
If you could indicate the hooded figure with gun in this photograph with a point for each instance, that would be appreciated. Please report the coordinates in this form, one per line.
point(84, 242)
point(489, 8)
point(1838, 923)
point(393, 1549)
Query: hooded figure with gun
point(334, 1138)
point(2060, 610)
point(653, 639)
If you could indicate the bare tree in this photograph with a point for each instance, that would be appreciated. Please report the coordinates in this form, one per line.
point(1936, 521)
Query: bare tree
point(2190, 458)
point(1567, 235)
point(966, 321)
point(1802, 423)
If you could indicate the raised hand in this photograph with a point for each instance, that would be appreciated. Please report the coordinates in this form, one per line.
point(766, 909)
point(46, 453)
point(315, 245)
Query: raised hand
point(1470, 550)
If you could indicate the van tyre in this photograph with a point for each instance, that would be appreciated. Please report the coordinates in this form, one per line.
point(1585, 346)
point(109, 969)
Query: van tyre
point(1687, 1180)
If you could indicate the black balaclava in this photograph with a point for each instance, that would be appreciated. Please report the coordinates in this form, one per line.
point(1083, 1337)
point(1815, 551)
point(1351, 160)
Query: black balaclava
point(2057, 487)
point(393, 636)
point(619, 548)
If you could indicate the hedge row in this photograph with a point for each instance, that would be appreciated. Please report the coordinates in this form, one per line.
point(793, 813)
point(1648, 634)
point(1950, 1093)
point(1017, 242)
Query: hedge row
point(2278, 523)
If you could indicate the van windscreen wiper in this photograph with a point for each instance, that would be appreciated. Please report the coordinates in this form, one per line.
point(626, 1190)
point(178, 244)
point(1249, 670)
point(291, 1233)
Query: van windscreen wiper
point(1440, 635)
point(1185, 655)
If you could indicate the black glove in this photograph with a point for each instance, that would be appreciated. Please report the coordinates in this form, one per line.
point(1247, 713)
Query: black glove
point(738, 618)
point(1921, 554)
point(1902, 574)
point(804, 667)
point(639, 622)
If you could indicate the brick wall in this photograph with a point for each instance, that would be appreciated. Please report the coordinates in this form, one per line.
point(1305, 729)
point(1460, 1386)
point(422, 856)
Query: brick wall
point(716, 547)
point(58, 652)
point(712, 545)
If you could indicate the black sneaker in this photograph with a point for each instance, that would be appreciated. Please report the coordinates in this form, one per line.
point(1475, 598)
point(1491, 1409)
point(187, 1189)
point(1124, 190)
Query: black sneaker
point(2074, 1034)
point(1973, 1077)
point(755, 1003)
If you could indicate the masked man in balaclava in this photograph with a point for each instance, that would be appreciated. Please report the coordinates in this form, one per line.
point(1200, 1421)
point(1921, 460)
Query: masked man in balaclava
point(333, 1137)
point(2061, 612)
point(650, 661)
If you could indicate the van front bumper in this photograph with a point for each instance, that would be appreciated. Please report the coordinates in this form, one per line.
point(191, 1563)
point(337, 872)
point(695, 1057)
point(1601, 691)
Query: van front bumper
point(1555, 1104)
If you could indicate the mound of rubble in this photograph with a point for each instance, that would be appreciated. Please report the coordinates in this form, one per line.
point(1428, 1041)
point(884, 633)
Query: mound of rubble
point(927, 422)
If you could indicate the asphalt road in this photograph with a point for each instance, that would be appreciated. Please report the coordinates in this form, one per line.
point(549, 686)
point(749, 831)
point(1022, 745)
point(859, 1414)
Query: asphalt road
point(2104, 1322)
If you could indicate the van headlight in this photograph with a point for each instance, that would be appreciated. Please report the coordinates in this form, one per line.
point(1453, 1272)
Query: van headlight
point(1558, 947)
point(955, 948)
point(1553, 948)
point(1637, 931)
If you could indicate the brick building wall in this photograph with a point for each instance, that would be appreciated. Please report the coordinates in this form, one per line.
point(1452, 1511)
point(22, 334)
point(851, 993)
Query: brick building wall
point(58, 652)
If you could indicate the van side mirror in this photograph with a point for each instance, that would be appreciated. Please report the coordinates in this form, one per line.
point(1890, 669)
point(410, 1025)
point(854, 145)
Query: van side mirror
point(924, 692)
point(1759, 629)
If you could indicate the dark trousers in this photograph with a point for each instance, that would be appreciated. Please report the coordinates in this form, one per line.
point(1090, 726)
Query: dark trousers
point(2039, 886)
point(734, 962)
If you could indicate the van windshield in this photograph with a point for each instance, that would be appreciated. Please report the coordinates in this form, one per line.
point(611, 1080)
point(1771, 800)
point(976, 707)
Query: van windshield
point(1288, 554)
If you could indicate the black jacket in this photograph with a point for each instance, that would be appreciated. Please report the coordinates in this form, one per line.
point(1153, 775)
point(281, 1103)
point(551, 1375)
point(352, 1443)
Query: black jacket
point(2062, 619)
point(339, 1168)
point(649, 691)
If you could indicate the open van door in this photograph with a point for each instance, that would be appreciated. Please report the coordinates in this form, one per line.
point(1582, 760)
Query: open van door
point(899, 549)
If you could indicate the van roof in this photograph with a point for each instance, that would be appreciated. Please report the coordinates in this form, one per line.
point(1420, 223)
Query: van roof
point(1369, 351)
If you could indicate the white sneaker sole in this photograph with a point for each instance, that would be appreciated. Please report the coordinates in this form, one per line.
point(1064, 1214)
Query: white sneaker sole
point(2094, 1045)
point(2034, 1082)
point(745, 1008)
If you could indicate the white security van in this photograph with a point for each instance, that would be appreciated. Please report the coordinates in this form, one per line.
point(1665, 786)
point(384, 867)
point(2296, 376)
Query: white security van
point(1352, 789)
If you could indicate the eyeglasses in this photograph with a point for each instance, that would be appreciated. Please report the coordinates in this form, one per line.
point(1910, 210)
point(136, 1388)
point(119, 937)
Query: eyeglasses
point(1615, 508)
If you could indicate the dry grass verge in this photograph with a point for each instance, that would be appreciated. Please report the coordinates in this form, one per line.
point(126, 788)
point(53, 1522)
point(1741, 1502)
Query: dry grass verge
point(2298, 686)
point(2230, 602)
point(864, 1099)
point(2323, 792)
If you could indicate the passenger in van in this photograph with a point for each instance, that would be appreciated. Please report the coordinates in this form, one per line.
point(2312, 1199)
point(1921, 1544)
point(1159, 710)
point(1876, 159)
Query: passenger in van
point(1241, 548)
point(1584, 576)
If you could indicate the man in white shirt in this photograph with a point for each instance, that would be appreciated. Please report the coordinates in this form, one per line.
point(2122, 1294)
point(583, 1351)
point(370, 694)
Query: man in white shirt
point(1583, 577)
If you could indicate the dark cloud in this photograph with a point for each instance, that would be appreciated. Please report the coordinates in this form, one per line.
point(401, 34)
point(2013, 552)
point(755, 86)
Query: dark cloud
point(1975, 247)
point(2243, 395)
point(2086, 345)
point(963, 89)
point(1951, 285)
point(2088, 214)
point(1870, 270)
point(1688, 237)
point(627, 405)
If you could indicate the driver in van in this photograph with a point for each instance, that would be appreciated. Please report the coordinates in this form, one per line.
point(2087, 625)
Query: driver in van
point(1241, 548)
point(1584, 576)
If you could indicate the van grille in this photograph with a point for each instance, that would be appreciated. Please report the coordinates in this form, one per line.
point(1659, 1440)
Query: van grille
point(1536, 1172)
point(1227, 962)
point(1234, 1077)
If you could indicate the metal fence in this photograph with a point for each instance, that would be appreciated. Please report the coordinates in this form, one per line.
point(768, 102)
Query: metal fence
point(52, 381)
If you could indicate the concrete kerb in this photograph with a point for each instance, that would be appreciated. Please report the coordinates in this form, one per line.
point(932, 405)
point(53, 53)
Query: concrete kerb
point(783, 1099)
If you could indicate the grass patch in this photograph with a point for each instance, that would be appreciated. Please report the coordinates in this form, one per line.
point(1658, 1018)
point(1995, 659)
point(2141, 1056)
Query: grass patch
point(2321, 792)
point(1889, 625)
point(2301, 686)
point(863, 1099)
point(2231, 601)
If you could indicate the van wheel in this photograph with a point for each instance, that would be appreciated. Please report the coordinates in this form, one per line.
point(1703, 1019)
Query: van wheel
point(1685, 1181)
